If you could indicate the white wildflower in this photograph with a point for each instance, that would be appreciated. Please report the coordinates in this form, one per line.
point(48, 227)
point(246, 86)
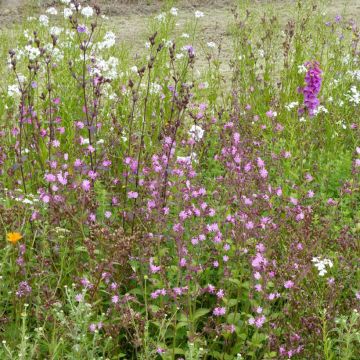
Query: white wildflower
point(199, 14)
point(55, 30)
point(291, 105)
point(13, 90)
point(211, 45)
point(321, 265)
point(321, 109)
point(355, 74)
point(174, 11)
point(354, 96)
point(67, 13)
point(302, 69)
point(52, 11)
point(44, 20)
point(161, 17)
point(196, 132)
point(108, 41)
point(32, 52)
point(87, 11)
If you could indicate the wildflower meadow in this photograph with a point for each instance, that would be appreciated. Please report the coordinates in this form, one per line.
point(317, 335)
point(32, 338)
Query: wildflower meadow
point(176, 200)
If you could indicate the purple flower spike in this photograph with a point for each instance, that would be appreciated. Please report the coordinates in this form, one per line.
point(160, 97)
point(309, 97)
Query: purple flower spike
point(313, 82)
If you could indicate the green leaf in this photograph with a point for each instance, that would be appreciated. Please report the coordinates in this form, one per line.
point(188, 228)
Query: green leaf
point(200, 312)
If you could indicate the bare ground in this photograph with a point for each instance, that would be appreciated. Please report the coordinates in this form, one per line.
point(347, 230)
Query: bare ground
point(128, 18)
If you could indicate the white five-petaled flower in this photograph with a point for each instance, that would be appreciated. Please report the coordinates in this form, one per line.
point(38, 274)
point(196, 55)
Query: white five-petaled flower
point(321, 265)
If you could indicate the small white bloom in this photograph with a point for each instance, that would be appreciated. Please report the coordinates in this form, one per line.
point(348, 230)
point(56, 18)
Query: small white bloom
point(13, 90)
point(161, 17)
point(354, 95)
point(174, 11)
point(55, 30)
point(185, 35)
point(134, 69)
point(196, 132)
point(44, 20)
point(211, 45)
point(52, 11)
point(302, 69)
point(291, 105)
point(67, 13)
point(199, 14)
point(87, 11)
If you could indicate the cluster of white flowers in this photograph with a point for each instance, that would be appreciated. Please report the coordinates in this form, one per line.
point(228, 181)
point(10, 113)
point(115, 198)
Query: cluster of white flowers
point(321, 265)
point(187, 159)
point(354, 95)
point(346, 59)
point(321, 109)
point(66, 2)
point(44, 20)
point(185, 35)
point(51, 11)
point(87, 11)
point(106, 68)
point(108, 41)
point(30, 199)
point(196, 132)
point(199, 14)
point(211, 45)
point(355, 74)
point(32, 52)
point(155, 88)
point(55, 52)
point(291, 105)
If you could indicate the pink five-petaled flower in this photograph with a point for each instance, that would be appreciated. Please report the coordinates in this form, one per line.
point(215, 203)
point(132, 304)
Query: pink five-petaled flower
point(288, 284)
point(132, 195)
point(219, 311)
point(86, 185)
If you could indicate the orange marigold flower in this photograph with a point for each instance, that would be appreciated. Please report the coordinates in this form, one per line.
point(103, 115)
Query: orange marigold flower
point(14, 237)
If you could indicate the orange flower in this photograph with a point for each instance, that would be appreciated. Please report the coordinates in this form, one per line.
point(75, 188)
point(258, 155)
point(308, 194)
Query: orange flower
point(14, 237)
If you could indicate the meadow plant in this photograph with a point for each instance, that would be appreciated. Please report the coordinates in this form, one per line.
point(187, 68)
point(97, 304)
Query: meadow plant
point(151, 208)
